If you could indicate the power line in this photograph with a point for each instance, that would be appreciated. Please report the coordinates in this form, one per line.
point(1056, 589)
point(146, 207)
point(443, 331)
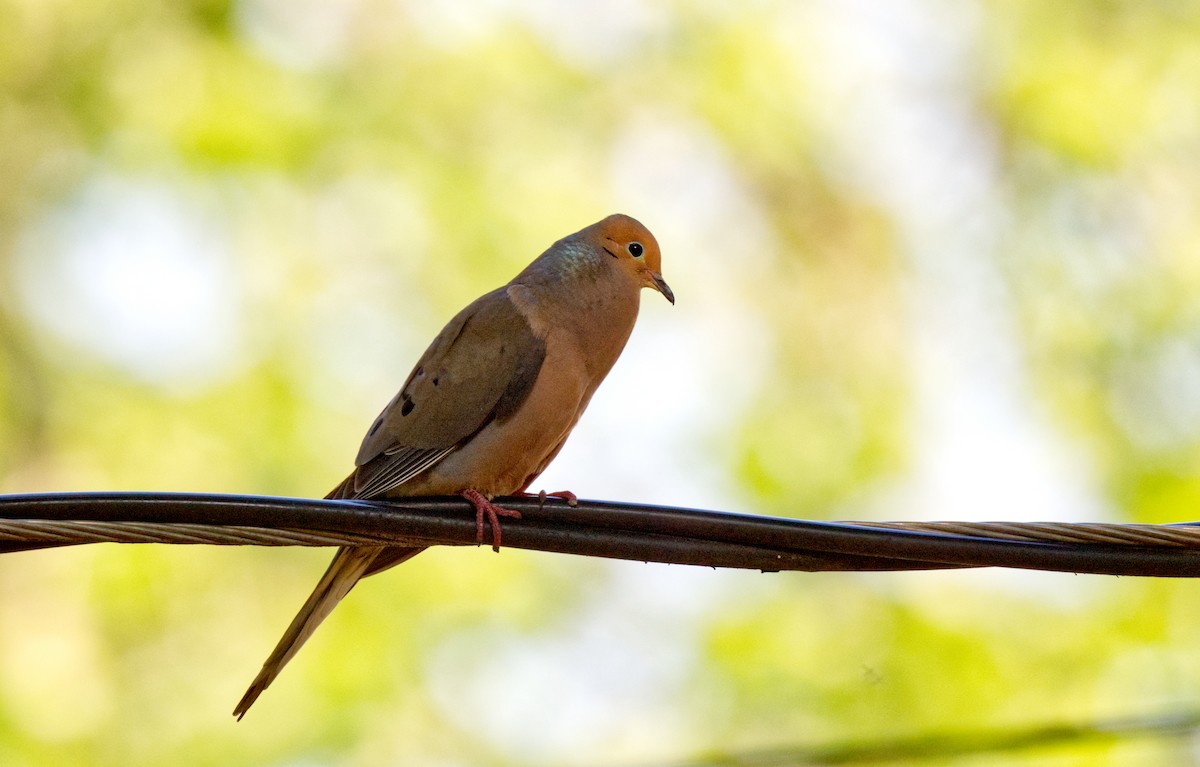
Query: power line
point(602, 529)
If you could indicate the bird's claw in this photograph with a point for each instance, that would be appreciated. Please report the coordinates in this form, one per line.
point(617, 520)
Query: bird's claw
point(485, 508)
point(566, 495)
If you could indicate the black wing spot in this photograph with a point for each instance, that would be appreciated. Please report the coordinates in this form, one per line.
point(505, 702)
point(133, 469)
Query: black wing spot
point(407, 407)
point(375, 427)
point(524, 374)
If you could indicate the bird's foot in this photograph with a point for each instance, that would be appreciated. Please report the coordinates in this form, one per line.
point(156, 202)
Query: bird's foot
point(485, 508)
point(566, 495)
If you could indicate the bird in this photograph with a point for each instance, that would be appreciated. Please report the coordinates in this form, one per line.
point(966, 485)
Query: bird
point(492, 400)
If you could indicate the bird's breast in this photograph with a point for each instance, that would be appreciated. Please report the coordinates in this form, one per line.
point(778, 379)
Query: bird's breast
point(583, 337)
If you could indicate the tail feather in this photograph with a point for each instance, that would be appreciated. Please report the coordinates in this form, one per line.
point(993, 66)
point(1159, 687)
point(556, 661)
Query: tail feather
point(349, 565)
point(344, 571)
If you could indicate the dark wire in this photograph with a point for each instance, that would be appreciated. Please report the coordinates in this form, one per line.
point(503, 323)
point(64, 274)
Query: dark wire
point(614, 530)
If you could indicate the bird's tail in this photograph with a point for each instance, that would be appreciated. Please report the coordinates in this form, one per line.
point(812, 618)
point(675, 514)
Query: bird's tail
point(350, 563)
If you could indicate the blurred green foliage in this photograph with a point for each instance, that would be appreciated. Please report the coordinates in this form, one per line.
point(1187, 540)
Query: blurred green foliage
point(228, 228)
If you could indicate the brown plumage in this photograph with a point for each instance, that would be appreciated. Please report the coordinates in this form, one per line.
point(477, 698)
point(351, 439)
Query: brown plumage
point(493, 398)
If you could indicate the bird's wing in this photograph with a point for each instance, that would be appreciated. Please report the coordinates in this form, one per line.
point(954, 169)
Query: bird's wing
point(480, 368)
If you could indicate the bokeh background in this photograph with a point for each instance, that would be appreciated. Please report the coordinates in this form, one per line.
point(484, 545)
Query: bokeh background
point(934, 259)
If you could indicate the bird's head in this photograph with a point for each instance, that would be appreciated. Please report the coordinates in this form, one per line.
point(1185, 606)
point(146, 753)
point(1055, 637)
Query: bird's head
point(635, 250)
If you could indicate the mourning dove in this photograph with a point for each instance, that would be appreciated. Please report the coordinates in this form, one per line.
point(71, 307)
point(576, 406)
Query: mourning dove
point(493, 398)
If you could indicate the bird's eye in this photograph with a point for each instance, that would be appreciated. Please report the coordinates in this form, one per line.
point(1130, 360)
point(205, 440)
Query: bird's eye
point(636, 249)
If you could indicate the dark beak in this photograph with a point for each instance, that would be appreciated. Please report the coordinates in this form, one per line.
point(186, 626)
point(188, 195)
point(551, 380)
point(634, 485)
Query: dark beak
point(662, 287)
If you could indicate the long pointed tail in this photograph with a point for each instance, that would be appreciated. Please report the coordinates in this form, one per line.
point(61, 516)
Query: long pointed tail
point(348, 565)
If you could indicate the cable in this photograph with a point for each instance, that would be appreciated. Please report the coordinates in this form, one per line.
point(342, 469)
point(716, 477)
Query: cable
point(604, 529)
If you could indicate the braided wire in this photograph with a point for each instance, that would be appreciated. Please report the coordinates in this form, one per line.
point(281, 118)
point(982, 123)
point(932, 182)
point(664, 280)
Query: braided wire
point(70, 532)
point(605, 529)
point(1057, 532)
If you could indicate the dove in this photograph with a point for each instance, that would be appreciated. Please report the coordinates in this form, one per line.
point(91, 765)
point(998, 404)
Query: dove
point(492, 400)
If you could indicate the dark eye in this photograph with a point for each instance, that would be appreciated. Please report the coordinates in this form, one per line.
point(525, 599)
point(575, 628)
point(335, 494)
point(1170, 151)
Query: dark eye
point(635, 249)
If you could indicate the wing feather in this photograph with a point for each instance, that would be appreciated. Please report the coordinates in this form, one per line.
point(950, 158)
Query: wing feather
point(480, 368)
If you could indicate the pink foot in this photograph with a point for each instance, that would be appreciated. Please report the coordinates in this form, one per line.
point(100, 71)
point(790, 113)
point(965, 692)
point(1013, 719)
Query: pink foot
point(484, 507)
point(542, 495)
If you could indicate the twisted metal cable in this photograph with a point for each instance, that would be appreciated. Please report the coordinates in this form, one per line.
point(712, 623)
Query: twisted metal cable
point(71, 532)
point(597, 528)
point(1058, 532)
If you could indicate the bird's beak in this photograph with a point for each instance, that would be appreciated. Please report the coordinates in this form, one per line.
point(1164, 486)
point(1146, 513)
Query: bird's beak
point(662, 287)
